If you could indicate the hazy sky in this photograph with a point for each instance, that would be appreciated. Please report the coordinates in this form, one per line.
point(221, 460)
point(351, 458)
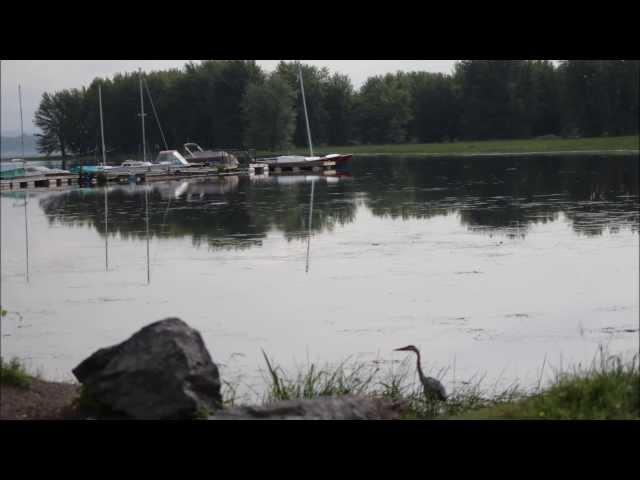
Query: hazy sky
point(39, 76)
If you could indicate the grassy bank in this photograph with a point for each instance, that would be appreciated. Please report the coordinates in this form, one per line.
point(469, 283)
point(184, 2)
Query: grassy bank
point(551, 145)
point(13, 373)
point(607, 389)
point(485, 147)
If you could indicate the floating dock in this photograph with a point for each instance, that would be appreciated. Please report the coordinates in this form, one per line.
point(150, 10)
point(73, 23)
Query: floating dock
point(144, 177)
point(40, 181)
point(327, 167)
point(61, 181)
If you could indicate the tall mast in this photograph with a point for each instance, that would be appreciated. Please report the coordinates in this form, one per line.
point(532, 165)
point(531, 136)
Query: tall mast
point(26, 194)
point(104, 154)
point(144, 146)
point(106, 205)
point(304, 104)
point(21, 125)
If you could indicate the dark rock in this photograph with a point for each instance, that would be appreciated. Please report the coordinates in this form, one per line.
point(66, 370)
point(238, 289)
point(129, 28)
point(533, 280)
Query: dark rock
point(327, 408)
point(163, 371)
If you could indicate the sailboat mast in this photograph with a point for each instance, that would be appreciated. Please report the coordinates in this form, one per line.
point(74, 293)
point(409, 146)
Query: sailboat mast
point(106, 205)
point(21, 124)
point(26, 194)
point(304, 104)
point(144, 146)
point(104, 154)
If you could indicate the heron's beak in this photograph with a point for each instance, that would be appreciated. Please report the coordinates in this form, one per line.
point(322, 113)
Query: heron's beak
point(400, 349)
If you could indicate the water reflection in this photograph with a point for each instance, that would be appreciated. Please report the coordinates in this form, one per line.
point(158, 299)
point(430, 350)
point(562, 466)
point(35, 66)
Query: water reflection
point(506, 194)
point(503, 196)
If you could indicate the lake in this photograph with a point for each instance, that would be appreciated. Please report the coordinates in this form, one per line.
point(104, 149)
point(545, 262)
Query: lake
point(492, 266)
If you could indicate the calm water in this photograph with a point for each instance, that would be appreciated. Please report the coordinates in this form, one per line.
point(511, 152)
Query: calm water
point(491, 265)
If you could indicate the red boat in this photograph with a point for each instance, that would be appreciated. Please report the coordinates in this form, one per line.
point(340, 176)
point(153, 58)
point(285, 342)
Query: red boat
point(287, 162)
point(296, 163)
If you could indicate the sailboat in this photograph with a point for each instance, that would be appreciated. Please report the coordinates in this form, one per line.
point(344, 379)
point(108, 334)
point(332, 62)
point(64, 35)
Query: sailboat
point(167, 161)
point(131, 167)
point(92, 170)
point(286, 162)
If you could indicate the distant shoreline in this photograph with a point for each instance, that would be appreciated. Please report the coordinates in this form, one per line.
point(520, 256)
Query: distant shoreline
point(535, 146)
point(627, 145)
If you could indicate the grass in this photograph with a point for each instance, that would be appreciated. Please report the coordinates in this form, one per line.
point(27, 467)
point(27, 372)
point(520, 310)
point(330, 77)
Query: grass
point(14, 374)
point(537, 145)
point(608, 389)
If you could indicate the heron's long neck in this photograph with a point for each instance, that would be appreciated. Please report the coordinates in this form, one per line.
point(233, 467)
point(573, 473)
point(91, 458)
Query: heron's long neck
point(420, 372)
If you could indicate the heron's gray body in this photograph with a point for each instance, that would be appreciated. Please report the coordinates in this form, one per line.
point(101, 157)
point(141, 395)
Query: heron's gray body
point(433, 389)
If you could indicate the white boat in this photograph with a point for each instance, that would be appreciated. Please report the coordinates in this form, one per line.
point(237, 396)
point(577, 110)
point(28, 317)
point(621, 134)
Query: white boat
point(290, 162)
point(135, 163)
point(18, 168)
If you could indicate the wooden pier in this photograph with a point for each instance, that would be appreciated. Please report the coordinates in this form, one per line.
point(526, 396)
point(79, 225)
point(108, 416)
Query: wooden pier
point(61, 181)
point(144, 177)
point(327, 167)
point(39, 181)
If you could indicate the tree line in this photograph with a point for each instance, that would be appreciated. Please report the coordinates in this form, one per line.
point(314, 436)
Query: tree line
point(234, 103)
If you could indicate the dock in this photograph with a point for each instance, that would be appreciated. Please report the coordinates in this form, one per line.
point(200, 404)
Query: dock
point(65, 181)
point(145, 177)
point(327, 167)
point(57, 181)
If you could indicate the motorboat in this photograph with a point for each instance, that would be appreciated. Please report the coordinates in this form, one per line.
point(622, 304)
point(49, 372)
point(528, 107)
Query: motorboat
point(221, 159)
point(17, 168)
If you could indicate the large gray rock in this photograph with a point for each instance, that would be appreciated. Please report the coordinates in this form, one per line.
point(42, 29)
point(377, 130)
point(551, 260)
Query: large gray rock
point(163, 371)
point(326, 408)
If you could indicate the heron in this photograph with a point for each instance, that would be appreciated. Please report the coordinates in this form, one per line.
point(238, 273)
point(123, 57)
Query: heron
point(433, 389)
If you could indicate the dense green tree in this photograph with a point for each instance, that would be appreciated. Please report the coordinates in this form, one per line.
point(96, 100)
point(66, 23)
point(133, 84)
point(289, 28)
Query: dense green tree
point(315, 81)
point(600, 97)
point(60, 116)
point(205, 102)
point(338, 103)
point(488, 99)
point(434, 107)
point(382, 109)
point(269, 114)
point(545, 107)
